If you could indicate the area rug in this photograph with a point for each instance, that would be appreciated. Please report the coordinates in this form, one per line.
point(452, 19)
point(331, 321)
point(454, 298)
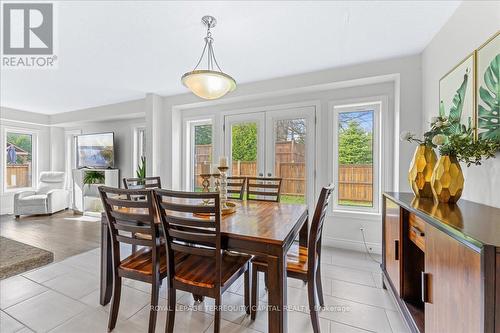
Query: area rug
point(16, 257)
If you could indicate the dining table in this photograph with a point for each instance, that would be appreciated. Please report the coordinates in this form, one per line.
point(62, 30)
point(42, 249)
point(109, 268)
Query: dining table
point(261, 228)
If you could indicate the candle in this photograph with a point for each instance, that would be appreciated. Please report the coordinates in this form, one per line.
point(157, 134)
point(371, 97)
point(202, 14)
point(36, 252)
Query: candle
point(223, 162)
point(215, 170)
point(206, 168)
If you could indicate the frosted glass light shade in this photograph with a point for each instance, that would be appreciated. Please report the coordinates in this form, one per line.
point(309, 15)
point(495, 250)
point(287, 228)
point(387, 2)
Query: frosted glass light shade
point(208, 84)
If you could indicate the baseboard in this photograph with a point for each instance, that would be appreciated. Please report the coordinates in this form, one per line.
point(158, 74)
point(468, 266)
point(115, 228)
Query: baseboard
point(350, 244)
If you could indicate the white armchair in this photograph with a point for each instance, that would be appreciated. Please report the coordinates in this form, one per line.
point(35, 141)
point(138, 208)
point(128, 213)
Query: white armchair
point(49, 197)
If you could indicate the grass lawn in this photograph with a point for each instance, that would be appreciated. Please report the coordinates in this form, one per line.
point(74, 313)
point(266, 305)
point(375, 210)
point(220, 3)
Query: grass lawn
point(355, 203)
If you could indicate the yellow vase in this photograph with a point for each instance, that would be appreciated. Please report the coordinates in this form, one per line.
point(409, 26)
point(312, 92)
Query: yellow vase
point(421, 168)
point(447, 180)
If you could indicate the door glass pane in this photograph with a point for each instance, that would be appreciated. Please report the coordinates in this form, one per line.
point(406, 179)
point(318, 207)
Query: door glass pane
point(244, 149)
point(355, 158)
point(19, 160)
point(202, 152)
point(290, 159)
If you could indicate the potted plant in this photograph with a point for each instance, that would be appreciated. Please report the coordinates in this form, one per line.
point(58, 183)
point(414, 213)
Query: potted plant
point(141, 171)
point(424, 158)
point(447, 178)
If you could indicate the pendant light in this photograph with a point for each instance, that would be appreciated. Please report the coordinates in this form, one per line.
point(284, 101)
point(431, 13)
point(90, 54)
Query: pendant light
point(208, 83)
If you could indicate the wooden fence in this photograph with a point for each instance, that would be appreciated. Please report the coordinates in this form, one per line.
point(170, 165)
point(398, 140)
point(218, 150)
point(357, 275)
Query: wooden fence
point(355, 182)
point(18, 175)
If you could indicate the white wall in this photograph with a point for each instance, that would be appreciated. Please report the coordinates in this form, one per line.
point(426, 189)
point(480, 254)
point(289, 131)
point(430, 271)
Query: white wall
point(469, 27)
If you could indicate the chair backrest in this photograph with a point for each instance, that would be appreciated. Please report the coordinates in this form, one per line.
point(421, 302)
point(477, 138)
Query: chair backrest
point(316, 231)
point(236, 185)
point(50, 180)
point(142, 183)
point(263, 189)
point(191, 222)
point(127, 217)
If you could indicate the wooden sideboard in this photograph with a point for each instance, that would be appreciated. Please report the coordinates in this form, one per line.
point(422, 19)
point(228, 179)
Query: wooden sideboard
point(441, 262)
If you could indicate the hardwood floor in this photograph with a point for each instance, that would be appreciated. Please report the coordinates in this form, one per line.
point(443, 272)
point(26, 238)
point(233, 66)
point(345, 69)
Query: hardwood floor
point(64, 233)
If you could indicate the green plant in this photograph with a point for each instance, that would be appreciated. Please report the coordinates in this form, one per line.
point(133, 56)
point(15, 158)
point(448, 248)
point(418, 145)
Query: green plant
point(463, 146)
point(141, 169)
point(93, 177)
point(455, 113)
point(489, 116)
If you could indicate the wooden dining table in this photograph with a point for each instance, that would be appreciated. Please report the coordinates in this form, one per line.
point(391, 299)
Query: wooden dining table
point(266, 229)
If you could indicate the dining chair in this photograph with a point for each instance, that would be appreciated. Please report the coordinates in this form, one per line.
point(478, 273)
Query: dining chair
point(264, 189)
point(138, 183)
point(303, 263)
point(191, 222)
point(236, 185)
point(148, 264)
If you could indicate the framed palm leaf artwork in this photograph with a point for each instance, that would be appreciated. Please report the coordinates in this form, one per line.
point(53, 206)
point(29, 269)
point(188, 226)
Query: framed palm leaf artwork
point(456, 95)
point(488, 89)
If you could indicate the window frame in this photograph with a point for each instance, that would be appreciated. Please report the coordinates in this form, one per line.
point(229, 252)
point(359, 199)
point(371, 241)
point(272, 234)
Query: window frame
point(188, 147)
point(34, 157)
point(356, 106)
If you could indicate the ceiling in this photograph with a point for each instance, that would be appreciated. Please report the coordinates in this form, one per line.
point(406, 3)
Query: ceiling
point(113, 51)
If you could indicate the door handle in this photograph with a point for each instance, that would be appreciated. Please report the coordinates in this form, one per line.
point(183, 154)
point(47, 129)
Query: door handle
point(425, 286)
point(396, 249)
point(261, 174)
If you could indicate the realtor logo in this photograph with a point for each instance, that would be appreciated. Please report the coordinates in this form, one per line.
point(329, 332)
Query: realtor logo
point(28, 29)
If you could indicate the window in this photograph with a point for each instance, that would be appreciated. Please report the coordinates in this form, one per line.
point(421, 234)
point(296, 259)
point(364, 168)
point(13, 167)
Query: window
point(139, 145)
point(200, 150)
point(356, 157)
point(20, 159)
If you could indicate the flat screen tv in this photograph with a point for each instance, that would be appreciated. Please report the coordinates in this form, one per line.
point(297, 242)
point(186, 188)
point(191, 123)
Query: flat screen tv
point(96, 150)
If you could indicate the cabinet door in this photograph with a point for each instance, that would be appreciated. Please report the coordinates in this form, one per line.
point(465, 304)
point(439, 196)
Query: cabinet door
point(392, 242)
point(453, 285)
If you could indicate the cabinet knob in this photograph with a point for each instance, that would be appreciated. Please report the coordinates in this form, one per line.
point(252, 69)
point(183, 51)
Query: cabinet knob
point(425, 284)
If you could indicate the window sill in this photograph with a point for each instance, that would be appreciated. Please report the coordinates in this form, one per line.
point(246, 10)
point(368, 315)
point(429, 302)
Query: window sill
point(18, 189)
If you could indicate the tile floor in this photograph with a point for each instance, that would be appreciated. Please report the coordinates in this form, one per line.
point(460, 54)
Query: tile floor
point(63, 297)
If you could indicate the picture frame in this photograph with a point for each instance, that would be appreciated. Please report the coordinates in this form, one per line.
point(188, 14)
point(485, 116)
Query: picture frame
point(457, 94)
point(487, 89)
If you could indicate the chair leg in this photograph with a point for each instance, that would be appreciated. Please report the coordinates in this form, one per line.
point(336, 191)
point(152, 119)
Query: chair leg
point(247, 289)
point(319, 287)
point(217, 314)
point(153, 311)
point(171, 310)
point(115, 303)
point(313, 309)
point(254, 290)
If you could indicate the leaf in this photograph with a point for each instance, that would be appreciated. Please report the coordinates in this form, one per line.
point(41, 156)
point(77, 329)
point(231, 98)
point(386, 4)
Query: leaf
point(489, 115)
point(442, 113)
point(457, 106)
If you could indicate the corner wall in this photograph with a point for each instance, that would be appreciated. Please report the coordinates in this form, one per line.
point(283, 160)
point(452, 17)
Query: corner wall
point(469, 27)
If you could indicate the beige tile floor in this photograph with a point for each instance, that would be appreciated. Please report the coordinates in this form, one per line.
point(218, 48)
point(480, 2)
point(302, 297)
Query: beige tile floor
point(63, 297)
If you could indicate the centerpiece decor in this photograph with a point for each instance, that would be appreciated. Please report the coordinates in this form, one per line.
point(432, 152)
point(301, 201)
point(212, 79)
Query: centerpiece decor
point(219, 173)
point(424, 158)
point(447, 179)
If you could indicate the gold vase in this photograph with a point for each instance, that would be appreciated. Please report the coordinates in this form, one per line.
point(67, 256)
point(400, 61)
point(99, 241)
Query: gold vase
point(420, 173)
point(447, 180)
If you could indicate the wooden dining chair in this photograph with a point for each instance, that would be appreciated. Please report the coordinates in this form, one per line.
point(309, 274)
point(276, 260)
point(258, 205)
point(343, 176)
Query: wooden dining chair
point(148, 264)
point(191, 222)
point(264, 189)
point(303, 263)
point(236, 187)
point(142, 183)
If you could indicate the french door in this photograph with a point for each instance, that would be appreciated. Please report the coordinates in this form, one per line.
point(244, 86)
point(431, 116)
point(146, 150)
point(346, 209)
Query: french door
point(278, 143)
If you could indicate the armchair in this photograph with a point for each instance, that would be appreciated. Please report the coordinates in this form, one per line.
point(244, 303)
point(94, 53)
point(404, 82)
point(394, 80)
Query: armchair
point(49, 197)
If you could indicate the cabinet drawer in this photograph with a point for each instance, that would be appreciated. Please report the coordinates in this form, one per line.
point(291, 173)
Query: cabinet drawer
point(416, 231)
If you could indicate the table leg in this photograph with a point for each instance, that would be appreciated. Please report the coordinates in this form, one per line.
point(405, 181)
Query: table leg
point(277, 289)
point(106, 266)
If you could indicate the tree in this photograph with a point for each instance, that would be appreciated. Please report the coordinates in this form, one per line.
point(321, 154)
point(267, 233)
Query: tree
point(203, 135)
point(244, 141)
point(355, 145)
point(22, 141)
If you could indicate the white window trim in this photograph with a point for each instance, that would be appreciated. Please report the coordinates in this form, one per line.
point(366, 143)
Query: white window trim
point(385, 153)
point(34, 157)
point(135, 146)
point(187, 151)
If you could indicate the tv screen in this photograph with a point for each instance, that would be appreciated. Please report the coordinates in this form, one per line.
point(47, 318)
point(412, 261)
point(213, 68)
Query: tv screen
point(95, 150)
